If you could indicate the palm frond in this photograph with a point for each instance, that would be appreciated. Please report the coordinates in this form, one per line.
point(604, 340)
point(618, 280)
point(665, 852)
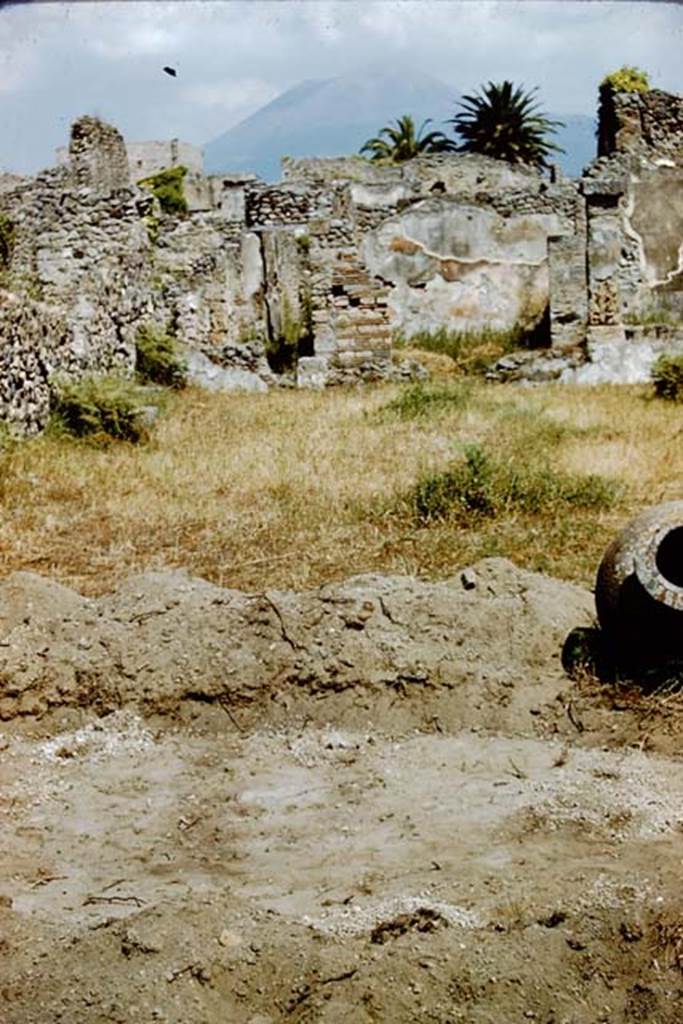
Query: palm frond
point(505, 122)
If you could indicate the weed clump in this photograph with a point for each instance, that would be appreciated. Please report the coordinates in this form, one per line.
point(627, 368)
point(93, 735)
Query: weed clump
point(167, 187)
point(103, 409)
point(422, 400)
point(157, 360)
point(482, 486)
point(653, 316)
point(471, 351)
point(627, 79)
point(667, 377)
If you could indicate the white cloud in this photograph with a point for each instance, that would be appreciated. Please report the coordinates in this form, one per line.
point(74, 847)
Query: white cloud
point(234, 99)
point(143, 40)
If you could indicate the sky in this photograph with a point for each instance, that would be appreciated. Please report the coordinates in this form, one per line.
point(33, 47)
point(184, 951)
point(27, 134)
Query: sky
point(59, 60)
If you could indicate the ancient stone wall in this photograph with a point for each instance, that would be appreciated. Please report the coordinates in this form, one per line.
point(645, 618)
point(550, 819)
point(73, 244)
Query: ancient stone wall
point(35, 343)
point(647, 125)
point(82, 250)
point(195, 261)
point(228, 194)
point(146, 158)
point(342, 251)
point(463, 266)
point(456, 172)
point(97, 156)
point(11, 182)
point(100, 258)
point(634, 199)
point(80, 264)
point(294, 203)
point(461, 292)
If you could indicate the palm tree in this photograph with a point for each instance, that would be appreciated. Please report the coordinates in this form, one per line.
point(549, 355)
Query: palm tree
point(504, 122)
point(402, 143)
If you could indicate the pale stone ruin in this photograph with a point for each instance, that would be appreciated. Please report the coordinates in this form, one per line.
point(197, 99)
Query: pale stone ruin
point(340, 256)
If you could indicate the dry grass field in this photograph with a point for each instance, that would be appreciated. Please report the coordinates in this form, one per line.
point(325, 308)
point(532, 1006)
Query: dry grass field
point(290, 489)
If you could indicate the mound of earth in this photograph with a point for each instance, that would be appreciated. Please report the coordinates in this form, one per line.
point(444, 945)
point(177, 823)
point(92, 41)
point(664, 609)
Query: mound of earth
point(377, 801)
point(478, 649)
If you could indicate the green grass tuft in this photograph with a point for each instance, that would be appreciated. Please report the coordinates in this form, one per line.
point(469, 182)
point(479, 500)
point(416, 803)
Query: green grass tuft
point(482, 486)
point(103, 409)
point(423, 400)
point(653, 316)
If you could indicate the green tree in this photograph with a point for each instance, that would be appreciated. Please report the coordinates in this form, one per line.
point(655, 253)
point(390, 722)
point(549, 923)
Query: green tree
point(504, 121)
point(402, 143)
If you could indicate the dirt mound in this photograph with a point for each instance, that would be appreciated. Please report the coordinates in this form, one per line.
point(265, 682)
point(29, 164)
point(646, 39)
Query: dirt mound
point(481, 648)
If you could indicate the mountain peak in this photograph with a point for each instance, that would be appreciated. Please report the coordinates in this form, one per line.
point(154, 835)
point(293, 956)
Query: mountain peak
point(335, 116)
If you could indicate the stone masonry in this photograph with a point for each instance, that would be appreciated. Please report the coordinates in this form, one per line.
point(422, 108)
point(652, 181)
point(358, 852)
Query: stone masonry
point(336, 259)
point(97, 156)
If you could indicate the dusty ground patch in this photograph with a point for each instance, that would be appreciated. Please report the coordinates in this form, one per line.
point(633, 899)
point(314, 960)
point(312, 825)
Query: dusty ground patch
point(461, 839)
point(317, 873)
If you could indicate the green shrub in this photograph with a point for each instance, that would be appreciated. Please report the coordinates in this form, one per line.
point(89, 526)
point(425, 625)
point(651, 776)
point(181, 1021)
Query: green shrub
point(627, 79)
point(424, 399)
point(167, 186)
point(481, 486)
point(157, 360)
point(667, 377)
point(103, 409)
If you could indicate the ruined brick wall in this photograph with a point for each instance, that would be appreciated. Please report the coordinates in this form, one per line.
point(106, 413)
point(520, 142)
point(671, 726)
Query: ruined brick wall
point(35, 343)
point(294, 203)
point(634, 197)
point(648, 125)
point(97, 155)
point(83, 252)
point(354, 325)
point(468, 266)
point(199, 290)
point(10, 182)
point(349, 250)
point(75, 288)
point(461, 172)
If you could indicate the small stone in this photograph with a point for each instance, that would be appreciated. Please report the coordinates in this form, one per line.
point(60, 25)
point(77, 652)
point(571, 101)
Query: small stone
point(228, 939)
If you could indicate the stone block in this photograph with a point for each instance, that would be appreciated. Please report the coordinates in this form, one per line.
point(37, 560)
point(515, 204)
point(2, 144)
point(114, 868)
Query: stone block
point(606, 334)
point(312, 372)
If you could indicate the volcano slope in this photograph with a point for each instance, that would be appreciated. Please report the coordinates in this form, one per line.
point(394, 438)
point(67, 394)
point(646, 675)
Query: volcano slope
point(381, 800)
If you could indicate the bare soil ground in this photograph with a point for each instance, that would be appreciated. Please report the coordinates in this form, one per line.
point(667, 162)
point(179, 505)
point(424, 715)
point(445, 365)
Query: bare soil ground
point(379, 801)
